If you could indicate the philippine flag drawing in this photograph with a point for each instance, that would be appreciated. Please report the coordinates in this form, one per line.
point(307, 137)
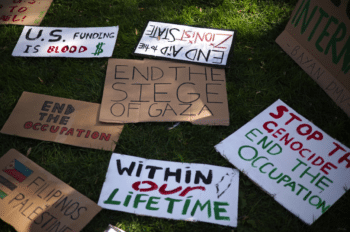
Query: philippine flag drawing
point(18, 170)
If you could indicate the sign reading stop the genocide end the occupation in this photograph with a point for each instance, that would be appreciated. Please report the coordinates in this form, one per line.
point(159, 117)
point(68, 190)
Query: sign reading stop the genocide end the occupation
point(302, 167)
point(185, 43)
point(163, 91)
point(32, 199)
point(83, 42)
point(23, 12)
point(181, 191)
point(61, 120)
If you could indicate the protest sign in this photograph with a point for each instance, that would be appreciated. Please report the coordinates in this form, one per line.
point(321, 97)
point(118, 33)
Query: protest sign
point(23, 12)
point(33, 200)
point(186, 43)
point(317, 39)
point(82, 42)
point(61, 120)
point(297, 163)
point(162, 91)
point(181, 191)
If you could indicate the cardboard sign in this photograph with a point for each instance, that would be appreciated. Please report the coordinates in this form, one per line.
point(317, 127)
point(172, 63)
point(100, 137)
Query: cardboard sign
point(23, 12)
point(181, 191)
point(317, 38)
point(34, 200)
point(83, 42)
point(61, 120)
point(185, 43)
point(298, 164)
point(149, 91)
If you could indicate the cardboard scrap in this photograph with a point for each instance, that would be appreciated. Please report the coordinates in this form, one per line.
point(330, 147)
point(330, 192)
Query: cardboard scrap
point(297, 163)
point(162, 91)
point(186, 43)
point(33, 200)
point(83, 42)
point(23, 12)
point(317, 39)
point(180, 191)
point(61, 120)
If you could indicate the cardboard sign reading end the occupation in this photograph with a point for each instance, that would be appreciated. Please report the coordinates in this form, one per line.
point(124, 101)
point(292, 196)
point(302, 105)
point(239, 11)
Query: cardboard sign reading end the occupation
point(297, 163)
point(33, 200)
point(61, 120)
point(22, 12)
point(206, 46)
point(164, 91)
point(317, 38)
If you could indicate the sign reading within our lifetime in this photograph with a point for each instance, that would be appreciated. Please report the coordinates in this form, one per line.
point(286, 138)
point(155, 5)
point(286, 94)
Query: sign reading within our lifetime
point(32, 199)
point(84, 42)
point(297, 163)
point(181, 191)
point(61, 120)
point(186, 43)
point(164, 91)
point(23, 12)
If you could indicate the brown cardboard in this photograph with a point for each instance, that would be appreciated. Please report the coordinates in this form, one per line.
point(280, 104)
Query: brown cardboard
point(76, 122)
point(309, 38)
point(40, 202)
point(163, 91)
point(23, 12)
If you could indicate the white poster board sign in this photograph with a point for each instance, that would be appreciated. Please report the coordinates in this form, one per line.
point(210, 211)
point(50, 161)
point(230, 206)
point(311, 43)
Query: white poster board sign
point(186, 43)
point(182, 191)
point(298, 164)
point(84, 42)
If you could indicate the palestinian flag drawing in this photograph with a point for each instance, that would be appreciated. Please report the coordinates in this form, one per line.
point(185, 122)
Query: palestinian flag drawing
point(18, 170)
point(8, 184)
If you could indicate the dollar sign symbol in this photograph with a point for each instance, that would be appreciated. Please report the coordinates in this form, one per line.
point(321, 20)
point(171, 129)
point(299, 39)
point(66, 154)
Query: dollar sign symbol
point(99, 49)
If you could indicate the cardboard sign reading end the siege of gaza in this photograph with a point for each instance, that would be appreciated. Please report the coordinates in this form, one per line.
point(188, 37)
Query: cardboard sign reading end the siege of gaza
point(61, 120)
point(180, 191)
point(83, 42)
point(22, 12)
point(206, 46)
point(317, 39)
point(33, 200)
point(164, 91)
point(297, 163)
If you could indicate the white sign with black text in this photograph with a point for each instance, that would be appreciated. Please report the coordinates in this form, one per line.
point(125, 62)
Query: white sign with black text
point(66, 42)
point(186, 43)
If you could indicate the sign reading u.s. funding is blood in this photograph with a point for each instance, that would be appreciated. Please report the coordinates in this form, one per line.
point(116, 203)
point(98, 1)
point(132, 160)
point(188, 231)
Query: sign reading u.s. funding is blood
point(297, 163)
point(84, 42)
point(181, 191)
point(186, 43)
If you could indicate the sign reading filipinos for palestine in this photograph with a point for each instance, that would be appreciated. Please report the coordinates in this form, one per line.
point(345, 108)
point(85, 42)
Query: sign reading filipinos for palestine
point(182, 191)
point(297, 163)
point(83, 42)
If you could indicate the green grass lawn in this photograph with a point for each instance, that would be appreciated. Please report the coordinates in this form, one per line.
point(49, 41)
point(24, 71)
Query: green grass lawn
point(259, 74)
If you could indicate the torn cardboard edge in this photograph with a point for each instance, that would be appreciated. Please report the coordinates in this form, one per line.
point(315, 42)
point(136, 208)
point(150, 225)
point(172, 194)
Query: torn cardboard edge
point(330, 84)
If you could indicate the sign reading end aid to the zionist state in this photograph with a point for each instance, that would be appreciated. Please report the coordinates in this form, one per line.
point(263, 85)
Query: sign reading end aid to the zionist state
point(186, 43)
point(33, 200)
point(298, 164)
point(83, 42)
point(164, 91)
point(317, 38)
point(23, 12)
point(181, 191)
point(61, 120)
